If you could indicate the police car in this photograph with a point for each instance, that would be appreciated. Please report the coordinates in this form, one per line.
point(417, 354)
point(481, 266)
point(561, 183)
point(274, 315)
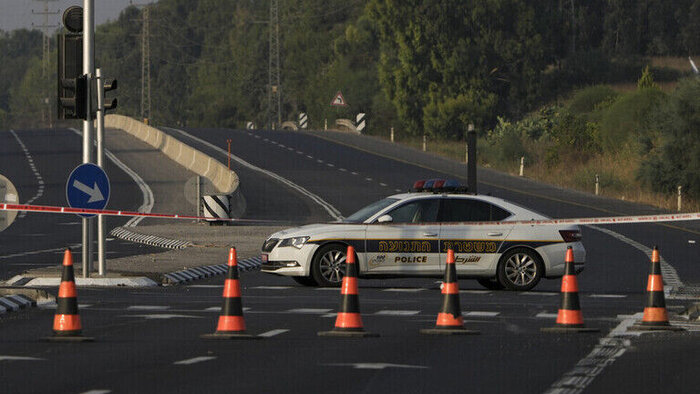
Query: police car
point(408, 235)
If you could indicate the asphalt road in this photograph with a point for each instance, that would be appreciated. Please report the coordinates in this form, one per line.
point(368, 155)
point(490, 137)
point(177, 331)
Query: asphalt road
point(151, 336)
point(40, 174)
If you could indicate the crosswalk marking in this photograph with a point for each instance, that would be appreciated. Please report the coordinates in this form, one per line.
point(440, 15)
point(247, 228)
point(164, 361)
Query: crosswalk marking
point(194, 360)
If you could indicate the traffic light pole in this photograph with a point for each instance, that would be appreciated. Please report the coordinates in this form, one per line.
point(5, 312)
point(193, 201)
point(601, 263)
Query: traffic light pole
point(100, 163)
point(89, 70)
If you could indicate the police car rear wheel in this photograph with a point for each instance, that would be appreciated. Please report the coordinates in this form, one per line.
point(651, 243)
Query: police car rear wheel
point(328, 267)
point(520, 269)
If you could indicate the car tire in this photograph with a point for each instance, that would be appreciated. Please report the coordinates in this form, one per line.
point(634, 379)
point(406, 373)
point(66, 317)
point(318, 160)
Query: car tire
point(490, 283)
point(305, 280)
point(328, 265)
point(520, 269)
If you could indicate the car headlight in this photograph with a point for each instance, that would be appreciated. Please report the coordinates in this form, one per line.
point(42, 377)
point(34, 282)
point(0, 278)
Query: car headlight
point(297, 242)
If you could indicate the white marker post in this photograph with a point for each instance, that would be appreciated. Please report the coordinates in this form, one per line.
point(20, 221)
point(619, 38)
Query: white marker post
point(101, 269)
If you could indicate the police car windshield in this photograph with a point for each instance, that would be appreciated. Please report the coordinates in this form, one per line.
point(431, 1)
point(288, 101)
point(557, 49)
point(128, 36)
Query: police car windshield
point(366, 212)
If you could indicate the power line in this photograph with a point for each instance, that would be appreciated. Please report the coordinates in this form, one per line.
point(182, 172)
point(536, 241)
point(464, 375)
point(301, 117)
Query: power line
point(45, 54)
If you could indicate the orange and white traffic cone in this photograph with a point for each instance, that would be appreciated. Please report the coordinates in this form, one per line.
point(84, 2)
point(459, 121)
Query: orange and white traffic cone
point(231, 324)
point(570, 317)
point(66, 322)
point(449, 320)
point(348, 323)
point(655, 315)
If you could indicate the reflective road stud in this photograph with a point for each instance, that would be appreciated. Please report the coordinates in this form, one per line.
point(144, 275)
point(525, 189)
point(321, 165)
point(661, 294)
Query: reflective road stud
point(348, 323)
point(449, 320)
point(231, 323)
point(570, 317)
point(655, 315)
point(66, 322)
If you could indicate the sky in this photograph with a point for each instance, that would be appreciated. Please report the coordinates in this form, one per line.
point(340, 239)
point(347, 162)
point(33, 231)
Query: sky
point(15, 14)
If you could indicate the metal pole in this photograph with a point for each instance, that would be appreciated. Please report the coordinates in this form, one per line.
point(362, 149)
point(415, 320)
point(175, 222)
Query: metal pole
point(522, 166)
point(100, 163)
point(597, 184)
point(199, 197)
point(471, 165)
point(88, 68)
point(679, 198)
point(392, 134)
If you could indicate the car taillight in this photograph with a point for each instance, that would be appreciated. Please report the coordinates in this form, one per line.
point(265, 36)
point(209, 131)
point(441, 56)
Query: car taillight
point(570, 235)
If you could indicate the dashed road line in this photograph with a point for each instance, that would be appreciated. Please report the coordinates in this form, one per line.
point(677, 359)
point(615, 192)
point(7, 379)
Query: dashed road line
point(481, 314)
point(194, 360)
point(40, 190)
point(272, 333)
point(97, 391)
point(396, 313)
point(148, 307)
point(547, 315)
point(271, 287)
point(404, 290)
point(309, 310)
point(608, 296)
point(19, 358)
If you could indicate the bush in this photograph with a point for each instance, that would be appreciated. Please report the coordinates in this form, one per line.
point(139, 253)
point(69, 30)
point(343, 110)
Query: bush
point(628, 118)
point(588, 99)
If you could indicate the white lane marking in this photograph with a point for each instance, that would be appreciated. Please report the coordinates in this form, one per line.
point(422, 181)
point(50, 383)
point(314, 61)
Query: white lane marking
point(194, 360)
point(310, 157)
point(257, 136)
point(369, 179)
point(475, 291)
point(272, 333)
point(398, 190)
point(218, 309)
point(148, 307)
point(309, 310)
point(282, 146)
point(319, 161)
point(609, 349)
point(69, 224)
point(669, 274)
point(383, 184)
point(330, 165)
point(608, 296)
point(300, 152)
point(402, 290)
point(290, 149)
point(37, 175)
point(164, 316)
point(353, 173)
point(97, 391)
point(547, 315)
point(330, 315)
point(375, 365)
point(327, 289)
point(271, 287)
point(481, 314)
point(332, 211)
point(396, 313)
point(19, 358)
point(536, 293)
point(342, 169)
point(146, 192)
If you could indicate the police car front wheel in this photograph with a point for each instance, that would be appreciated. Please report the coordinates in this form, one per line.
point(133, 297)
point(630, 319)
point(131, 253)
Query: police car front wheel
point(520, 269)
point(328, 266)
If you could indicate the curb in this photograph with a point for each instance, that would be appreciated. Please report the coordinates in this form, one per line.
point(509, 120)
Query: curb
point(194, 273)
point(15, 302)
point(152, 240)
point(27, 281)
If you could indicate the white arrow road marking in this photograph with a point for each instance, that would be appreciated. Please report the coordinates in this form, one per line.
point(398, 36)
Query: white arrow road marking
point(94, 192)
point(19, 358)
point(194, 360)
point(164, 316)
point(376, 365)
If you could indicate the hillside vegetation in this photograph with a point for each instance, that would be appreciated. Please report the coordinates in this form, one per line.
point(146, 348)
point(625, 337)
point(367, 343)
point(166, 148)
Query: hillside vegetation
point(538, 78)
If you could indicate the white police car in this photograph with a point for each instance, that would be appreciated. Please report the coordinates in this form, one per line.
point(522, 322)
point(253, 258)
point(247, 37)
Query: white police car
point(408, 235)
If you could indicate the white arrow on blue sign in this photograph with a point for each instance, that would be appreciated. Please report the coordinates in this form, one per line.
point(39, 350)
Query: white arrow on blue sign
point(87, 187)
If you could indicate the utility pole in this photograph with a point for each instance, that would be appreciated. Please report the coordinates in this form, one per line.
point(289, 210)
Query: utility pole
point(46, 51)
point(145, 65)
point(89, 70)
point(274, 108)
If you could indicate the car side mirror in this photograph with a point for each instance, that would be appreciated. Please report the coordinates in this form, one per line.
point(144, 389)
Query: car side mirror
point(385, 219)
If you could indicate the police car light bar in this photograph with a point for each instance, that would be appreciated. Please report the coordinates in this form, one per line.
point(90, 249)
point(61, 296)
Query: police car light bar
point(438, 186)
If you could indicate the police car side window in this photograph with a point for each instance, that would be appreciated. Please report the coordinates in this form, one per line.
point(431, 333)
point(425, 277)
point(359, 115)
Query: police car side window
point(421, 211)
point(468, 210)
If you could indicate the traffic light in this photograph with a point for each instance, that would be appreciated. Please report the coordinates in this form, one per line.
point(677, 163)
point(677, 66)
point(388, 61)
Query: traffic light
point(70, 66)
point(108, 86)
point(73, 104)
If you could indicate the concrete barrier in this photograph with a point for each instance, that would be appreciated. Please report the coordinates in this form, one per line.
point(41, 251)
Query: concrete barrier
point(224, 180)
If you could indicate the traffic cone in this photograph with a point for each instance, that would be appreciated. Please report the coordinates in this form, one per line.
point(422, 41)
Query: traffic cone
point(449, 320)
point(231, 324)
point(655, 315)
point(570, 317)
point(66, 322)
point(348, 323)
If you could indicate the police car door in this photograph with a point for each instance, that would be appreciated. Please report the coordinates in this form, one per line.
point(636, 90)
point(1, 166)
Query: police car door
point(475, 247)
point(408, 244)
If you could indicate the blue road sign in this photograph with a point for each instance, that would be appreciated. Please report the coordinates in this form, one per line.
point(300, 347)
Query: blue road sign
point(87, 187)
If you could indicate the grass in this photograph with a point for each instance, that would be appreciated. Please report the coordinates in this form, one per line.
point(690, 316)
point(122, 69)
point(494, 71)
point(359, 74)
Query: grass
point(617, 173)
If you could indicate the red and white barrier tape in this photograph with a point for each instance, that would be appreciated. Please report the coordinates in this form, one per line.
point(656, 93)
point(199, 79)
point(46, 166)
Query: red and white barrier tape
point(573, 221)
point(109, 212)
